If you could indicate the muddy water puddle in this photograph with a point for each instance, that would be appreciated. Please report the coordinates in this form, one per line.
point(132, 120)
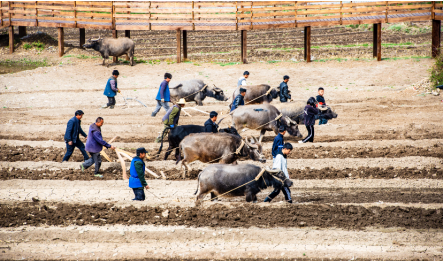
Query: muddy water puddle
point(14, 67)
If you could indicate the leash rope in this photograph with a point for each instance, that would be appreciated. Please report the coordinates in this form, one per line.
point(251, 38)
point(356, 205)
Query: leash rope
point(204, 87)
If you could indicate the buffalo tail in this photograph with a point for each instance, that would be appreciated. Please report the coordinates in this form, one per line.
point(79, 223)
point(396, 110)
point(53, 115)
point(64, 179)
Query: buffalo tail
point(161, 146)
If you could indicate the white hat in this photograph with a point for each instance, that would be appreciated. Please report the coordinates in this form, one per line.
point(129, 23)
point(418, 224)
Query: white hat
point(181, 101)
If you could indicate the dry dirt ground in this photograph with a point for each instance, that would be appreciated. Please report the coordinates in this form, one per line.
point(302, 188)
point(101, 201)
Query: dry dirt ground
point(370, 187)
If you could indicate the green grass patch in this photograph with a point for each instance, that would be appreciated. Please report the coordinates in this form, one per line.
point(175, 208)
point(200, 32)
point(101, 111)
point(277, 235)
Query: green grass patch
point(227, 64)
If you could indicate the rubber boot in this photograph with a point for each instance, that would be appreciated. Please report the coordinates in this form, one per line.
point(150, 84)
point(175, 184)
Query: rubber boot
point(267, 199)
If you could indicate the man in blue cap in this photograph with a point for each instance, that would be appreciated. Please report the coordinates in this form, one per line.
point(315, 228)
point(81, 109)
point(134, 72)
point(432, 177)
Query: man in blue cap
point(72, 136)
point(137, 171)
point(111, 90)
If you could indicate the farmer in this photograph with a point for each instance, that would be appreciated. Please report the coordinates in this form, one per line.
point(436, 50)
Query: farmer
point(111, 90)
point(210, 125)
point(321, 104)
point(242, 80)
point(72, 136)
point(281, 162)
point(310, 112)
point(137, 171)
point(170, 120)
point(284, 90)
point(163, 95)
point(94, 145)
point(277, 145)
point(239, 100)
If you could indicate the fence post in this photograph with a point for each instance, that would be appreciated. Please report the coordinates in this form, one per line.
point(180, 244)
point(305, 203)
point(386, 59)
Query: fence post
point(82, 37)
point(307, 33)
point(377, 41)
point(128, 33)
point(114, 35)
point(61, 42)
point(179, 45)
point(436, 37)
point(185, 45)
point(11, 39)
point(244, 45)
point(374, 40)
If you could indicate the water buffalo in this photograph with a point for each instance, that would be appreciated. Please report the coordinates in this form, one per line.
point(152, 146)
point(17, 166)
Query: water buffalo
point(177, 134)
point(113, 47)
point(221, 147)
point(261, 117)
point(221, 178)
point(255, 91)
point(296, 112)
point(191, 90)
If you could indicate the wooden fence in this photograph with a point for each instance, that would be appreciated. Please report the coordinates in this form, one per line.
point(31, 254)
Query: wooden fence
point(196, 15)
point(205, 15)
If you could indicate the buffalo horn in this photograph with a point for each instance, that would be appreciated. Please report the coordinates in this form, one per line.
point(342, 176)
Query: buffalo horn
point(250, 144)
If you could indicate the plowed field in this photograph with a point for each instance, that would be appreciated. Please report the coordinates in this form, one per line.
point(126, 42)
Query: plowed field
point(370, 187)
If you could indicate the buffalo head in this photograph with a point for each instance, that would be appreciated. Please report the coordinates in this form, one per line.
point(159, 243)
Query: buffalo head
point(281, 176)
point(325, 112)
point(217, 94)
point(230, 130)
point(93, 43)
point(275, 93)
point(254, 149)
point(291, 126)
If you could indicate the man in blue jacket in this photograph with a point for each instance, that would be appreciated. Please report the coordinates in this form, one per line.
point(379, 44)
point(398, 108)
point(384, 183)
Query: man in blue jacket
point(72, 136)
point(94, 145)
point(239, 100)
point(111, 90)
point(284, 90)
point(277, 145)
point(137, 179)
point(163, 95)
point(210, 125)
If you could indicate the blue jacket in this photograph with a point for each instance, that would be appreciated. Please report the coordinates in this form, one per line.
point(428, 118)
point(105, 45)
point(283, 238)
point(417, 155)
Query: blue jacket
point(134, 180)
point(238, 101)
point(277, 146)
point(163, 92)
point(108, 90)
point(73, 130)
point(284, 92)
point(95, 141)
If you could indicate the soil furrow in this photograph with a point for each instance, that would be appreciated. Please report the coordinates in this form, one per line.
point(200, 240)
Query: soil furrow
point(244, 215)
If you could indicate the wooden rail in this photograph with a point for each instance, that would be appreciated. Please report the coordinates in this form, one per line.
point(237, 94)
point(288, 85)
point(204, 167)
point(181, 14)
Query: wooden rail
point(205, 15)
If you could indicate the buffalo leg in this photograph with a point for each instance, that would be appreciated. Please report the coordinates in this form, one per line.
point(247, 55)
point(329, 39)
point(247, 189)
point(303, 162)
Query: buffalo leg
point(178, 157)
point(249, 196)
point(132, 60)
point(168, 152)
point(254, 199)
point(213, 197)
point(262, 133)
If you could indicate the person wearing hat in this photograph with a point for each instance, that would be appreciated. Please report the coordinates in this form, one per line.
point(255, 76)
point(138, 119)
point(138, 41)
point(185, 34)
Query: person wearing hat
point(170, 120)
point(210, 125)
point(163, 95)
point(284, 90)
point(242, 80)
point(277, 145)
point(239, 100)
point(111, 90)
point(72, 136)
point(137, 179)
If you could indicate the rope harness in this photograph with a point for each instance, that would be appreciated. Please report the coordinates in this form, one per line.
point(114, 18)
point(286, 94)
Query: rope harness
point(238, 151)
point(204, 87)
point(276, 119)
point(260, 175)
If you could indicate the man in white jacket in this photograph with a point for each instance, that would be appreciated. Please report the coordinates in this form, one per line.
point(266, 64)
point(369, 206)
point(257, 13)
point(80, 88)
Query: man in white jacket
point(280, 162)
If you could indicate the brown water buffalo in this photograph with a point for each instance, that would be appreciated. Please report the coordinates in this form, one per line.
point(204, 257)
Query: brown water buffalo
point(254, 91)
point(218, 147)
point(221, 178)
point(113, 47)
point(192, 91)
point(261, 117)
point(295, 111)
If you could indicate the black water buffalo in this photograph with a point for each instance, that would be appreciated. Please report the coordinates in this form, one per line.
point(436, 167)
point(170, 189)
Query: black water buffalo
point(221, 178)
point(113, 47)
point(262, 117)
point(296, 112)
point(255, 91)
point(218, 147)
point(192, 90)
point(177, 134)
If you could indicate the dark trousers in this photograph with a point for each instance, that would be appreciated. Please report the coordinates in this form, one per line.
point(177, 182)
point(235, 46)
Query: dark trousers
point(139, 194)
point(111, 101)
point(286, 193)
point(310, 137)
point(95, 158)
point(70, 150)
